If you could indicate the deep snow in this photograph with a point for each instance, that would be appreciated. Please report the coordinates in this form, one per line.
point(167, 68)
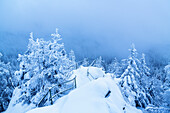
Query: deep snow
point(89, 97)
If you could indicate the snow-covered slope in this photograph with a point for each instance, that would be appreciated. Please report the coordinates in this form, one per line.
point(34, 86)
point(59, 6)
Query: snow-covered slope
point(87, 74)
point(91, 96)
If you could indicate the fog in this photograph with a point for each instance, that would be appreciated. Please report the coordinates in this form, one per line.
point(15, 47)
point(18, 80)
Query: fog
point(90, 27)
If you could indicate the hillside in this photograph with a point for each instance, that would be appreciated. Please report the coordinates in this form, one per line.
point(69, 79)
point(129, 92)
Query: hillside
point(92, 96)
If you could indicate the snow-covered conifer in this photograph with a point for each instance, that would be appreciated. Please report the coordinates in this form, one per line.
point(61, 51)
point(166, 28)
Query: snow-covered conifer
point(73, 59)
point(44, 64)
point(166, 94)
point(85, 62)
point(99, 63)
point(115, 68)
point(130, 81)
point(144, 73)
point(6, 85)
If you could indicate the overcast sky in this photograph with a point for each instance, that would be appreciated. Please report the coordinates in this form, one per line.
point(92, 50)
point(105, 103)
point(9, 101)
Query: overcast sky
point(89, 27)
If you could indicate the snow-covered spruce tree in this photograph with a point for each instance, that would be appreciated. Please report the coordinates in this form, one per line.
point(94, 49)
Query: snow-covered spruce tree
point(85, 62)
point(44, 64)
point(99, 63)
point(13, 61)
point(156, 90)
point(167, 79)
point(130, 81)
point(6, 85)
point(155, 85)
point(145, 71)
point(115, 68)
point(166, 94)
point(124, 63)
point(73, 59)
point(145, 78)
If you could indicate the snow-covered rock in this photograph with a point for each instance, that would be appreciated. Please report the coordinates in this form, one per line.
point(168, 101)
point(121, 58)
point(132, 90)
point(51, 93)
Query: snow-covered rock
point(96, 92)
point(87, 74)
point(92, 97)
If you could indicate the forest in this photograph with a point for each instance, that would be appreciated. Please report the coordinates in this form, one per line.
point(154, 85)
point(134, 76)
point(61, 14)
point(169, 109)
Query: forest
point(143, 81)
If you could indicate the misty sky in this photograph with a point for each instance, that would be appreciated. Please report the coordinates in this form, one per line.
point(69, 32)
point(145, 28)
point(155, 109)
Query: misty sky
point(89, 27)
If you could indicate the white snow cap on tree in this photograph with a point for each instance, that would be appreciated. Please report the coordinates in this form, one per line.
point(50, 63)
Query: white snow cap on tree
point(44, 64)
point(133, 51)
point(72, 55)
point(6, 84)
point(99, 63)
point(56, 36)
point(85, 62)
point(131, 79)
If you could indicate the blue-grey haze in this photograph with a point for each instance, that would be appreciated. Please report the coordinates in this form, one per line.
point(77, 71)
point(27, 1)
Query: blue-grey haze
point(89, 27)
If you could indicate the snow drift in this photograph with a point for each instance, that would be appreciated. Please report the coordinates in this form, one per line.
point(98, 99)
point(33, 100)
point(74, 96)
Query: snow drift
point(92, 96)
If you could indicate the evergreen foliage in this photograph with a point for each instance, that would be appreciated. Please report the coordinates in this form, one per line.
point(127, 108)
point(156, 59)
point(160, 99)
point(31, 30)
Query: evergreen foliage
point(115, 68)
point(99, 63)
point(85, 62)
point(131, 81)
point(6, 84)
point(44, 64)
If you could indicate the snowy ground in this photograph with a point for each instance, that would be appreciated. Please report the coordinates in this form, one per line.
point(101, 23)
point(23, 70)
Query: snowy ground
point(90, 96)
